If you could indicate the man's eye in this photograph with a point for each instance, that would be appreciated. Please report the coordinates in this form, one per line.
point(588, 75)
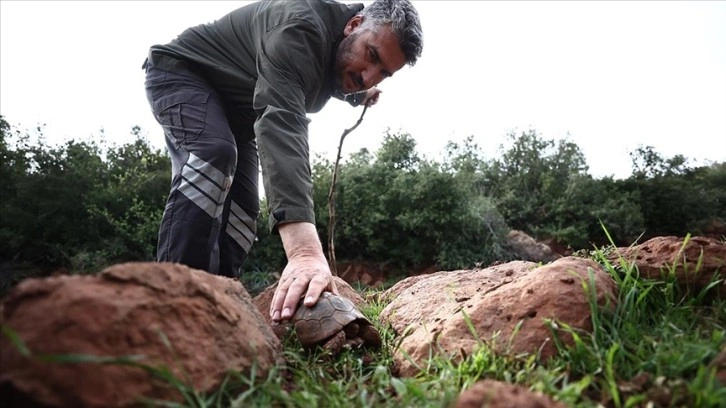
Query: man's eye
point(373, 55)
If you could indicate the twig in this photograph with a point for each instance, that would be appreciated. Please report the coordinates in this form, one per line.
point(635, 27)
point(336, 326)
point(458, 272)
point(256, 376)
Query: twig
point(331, 197)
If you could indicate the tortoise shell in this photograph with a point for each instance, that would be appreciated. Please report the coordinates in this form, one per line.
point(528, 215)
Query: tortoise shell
point(328, 317)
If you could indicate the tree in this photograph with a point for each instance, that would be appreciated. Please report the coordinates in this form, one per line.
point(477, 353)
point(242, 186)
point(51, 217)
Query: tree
point(77, 205)
point(648, 163)
point(530, 179)
point(395, 207)
point(129, 207)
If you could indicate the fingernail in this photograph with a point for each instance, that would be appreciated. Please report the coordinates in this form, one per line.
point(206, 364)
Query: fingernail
point(276, 315)
point(309, 300)
point(286, 312)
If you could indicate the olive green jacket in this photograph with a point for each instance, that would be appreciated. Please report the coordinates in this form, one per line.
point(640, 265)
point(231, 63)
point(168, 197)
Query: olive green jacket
point(271, 63)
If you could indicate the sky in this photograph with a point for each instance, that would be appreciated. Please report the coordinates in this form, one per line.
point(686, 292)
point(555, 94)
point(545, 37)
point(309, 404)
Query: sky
point(609, 76)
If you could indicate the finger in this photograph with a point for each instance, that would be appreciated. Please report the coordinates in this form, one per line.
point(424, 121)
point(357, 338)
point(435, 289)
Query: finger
point(278, 298)
point(315, 288)
point(274, 300)
point(333, 287)
point(292, 298)
point(281, 288)
point(272, 304)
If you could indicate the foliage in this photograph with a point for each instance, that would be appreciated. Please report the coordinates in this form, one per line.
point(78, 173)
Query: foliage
point(267, 254)
point(657, 333)
point(675, 197)
point(127, 209)
point(534, 183)
point(648, 163)
point(585, 204)
point(397, 208)
point(78, 205)
point(83, 205)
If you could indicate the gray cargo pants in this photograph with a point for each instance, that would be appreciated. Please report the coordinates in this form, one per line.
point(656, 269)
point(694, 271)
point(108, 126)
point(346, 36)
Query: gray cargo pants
point(211, 213)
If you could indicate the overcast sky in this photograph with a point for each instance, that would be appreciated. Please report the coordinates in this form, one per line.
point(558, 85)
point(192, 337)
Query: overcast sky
point(612, 75)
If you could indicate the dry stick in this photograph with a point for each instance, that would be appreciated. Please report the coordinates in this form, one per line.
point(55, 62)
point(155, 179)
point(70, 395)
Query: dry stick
point(331, 197)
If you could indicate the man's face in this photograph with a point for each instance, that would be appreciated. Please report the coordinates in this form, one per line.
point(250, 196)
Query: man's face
point(366, 57)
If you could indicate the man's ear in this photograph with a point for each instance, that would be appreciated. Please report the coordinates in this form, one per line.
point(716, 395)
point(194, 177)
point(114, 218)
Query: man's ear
point(352, 25)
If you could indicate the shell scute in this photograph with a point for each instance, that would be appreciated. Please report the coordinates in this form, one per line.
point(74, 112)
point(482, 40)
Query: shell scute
point(328, 317)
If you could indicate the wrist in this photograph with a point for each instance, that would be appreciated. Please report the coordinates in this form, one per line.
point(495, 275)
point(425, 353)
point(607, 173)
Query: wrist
point(300, 240)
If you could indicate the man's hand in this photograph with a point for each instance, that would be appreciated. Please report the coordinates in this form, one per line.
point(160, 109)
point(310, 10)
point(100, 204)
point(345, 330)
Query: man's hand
point(371, 97)
point(307, 271)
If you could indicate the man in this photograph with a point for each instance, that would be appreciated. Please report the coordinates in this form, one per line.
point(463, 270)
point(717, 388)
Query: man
point(242, 85)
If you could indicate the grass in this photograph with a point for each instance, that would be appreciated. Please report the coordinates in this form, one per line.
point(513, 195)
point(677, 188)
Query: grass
point(651, 348)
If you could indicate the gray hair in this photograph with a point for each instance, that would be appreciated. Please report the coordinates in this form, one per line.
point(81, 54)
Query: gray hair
point(404, 22)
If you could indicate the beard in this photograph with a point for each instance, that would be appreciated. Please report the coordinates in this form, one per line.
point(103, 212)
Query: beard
point(343, 58)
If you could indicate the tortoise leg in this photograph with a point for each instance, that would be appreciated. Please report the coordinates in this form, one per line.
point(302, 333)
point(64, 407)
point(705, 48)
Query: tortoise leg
point(370, 335)
point(354, 342)
point(352, 335)
point(335, 344)
point(280, 329)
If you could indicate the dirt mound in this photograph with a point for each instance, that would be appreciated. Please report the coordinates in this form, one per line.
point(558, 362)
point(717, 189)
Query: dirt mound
point(507, 305)
point(196, 324)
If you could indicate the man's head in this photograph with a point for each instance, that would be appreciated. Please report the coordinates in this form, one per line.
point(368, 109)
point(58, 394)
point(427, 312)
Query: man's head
point(377, 42)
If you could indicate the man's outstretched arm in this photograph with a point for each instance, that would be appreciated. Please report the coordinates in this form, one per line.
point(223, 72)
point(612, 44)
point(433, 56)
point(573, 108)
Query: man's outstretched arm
point(285, 74)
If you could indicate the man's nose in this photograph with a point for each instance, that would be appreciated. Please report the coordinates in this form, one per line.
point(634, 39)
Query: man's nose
point(371, 77)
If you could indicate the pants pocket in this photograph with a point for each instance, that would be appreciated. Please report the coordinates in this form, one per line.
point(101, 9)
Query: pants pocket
point(182, 115)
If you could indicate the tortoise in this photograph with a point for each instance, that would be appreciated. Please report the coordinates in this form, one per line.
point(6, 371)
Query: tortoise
point(333, 323)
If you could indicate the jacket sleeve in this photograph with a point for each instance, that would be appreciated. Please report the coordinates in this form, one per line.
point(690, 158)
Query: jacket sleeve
point(289, 65)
